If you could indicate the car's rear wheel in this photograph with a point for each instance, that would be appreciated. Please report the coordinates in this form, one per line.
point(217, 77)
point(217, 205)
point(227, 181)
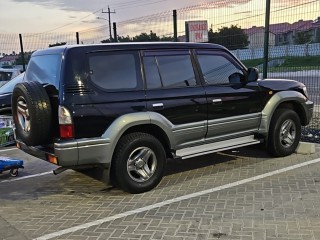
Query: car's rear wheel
point(138, 162)
point(284, 133)
point(31, 111)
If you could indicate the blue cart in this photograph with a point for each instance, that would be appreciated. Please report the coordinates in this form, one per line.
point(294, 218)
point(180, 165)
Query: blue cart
point(12, 165)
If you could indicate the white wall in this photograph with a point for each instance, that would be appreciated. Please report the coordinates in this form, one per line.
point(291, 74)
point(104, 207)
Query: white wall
point(280, 51)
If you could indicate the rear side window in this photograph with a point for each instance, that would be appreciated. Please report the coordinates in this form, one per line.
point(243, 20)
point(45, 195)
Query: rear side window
point(172, 71)
point(44, 69)
point(115, 70)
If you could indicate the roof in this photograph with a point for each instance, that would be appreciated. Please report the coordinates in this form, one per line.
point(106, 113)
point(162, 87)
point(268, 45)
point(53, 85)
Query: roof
point(128, 46)
point(279, 28)
point(9, 58)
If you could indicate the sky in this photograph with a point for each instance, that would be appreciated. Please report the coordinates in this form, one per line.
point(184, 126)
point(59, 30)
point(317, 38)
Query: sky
point(26, 16)
point(29, 16)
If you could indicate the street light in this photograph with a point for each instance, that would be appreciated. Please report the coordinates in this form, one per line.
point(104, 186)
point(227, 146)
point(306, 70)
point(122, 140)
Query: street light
point(109, 26)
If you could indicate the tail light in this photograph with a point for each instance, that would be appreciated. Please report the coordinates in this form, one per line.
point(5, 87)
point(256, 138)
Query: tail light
point(65, 123)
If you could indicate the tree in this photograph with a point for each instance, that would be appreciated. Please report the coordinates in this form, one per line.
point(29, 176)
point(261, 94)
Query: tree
point(142, 37)
point(302, 38)
point(167, 39)
point(232, 37)
point(57, 44)
point(124, 39)
point(27, 56)
point(106, 41)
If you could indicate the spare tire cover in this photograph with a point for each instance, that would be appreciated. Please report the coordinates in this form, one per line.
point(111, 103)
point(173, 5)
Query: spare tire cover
point(32, 112)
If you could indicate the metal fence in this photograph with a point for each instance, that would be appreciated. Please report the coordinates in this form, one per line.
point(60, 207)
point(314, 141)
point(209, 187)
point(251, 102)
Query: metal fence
point(293, 38)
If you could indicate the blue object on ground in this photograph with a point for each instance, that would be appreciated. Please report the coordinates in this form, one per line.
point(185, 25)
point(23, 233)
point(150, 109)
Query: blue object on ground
point(10, 164)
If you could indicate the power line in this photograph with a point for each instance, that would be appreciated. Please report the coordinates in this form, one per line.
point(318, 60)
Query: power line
point(192, 8)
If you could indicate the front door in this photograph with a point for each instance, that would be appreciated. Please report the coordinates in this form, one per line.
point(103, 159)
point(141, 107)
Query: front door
point(234, 105)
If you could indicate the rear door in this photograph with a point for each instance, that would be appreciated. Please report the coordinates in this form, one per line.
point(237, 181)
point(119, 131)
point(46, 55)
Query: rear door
point(234, 105)
point(175, 93)
point(110, 87)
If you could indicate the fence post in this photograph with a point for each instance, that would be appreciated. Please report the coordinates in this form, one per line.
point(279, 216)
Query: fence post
point(266, 40)
point(307, 50)
point(175, 27)
point(77, 37)
point(22, 53)
point(115, 35)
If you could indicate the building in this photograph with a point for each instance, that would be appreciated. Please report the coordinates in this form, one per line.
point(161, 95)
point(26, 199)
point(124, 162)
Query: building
point(8, 60)
point(256, 37)
point(284, 33)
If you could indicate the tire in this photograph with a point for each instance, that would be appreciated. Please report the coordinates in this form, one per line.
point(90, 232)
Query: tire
point(14, 172)
point(133, 174)
point(31, 111)
point(284, 132)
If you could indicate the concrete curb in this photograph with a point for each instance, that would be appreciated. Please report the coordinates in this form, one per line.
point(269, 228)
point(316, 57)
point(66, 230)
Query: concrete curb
point(306, 148)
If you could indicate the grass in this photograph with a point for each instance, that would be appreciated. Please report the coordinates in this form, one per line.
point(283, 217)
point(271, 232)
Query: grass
point(292, 63)
point(310, 61)
point(252, 62)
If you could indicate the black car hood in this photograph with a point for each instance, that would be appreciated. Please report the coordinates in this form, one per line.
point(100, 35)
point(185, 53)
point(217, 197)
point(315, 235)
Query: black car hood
point(279, 84)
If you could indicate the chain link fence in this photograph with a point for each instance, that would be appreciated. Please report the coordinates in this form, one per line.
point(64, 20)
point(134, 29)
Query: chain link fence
point(293, 46)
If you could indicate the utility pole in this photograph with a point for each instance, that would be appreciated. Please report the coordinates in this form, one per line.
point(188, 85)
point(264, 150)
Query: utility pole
point(266, 40)
point(175, 26)
point(109, 17)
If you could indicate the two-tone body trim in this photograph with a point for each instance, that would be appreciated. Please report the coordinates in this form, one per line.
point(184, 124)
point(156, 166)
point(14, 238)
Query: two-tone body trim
point(223, 126)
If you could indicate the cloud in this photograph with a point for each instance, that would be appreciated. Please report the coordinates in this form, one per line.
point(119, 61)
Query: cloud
point(70, 5)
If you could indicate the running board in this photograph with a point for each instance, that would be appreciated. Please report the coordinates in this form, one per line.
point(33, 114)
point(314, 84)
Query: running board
point(216, 147)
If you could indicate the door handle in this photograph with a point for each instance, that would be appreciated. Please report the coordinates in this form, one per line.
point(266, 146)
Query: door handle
point(216, 100)
point(157, 106)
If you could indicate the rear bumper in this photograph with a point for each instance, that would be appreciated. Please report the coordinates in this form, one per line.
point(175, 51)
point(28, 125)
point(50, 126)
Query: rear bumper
point(72, 153)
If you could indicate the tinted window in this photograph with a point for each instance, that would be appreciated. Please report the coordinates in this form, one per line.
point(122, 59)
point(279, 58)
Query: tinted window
point(169, 71)
point(44, 69)
point(113, 71)
point(217, 69)
point(5, 76)
point(152, 73)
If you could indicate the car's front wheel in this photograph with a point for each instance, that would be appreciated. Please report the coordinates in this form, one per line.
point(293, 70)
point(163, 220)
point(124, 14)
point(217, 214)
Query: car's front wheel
point(138, 162)
point(284, 132)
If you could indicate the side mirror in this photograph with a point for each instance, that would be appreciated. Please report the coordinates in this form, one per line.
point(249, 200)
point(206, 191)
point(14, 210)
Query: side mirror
point(236, 78)
point(253, 74)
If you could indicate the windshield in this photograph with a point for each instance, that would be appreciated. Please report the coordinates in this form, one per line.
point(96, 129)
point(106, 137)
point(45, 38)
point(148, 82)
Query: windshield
point(8, 87)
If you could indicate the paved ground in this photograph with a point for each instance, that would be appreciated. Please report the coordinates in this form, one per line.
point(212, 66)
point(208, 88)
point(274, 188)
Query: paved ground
point(239, 194)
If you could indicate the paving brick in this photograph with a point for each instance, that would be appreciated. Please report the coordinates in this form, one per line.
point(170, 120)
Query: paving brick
point(283, 206)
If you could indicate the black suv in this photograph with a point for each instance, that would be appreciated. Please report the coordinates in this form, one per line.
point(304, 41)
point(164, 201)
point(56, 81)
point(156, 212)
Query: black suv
point(129, 107)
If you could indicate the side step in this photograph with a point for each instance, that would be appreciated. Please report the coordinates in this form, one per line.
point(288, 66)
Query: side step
point(216, 147)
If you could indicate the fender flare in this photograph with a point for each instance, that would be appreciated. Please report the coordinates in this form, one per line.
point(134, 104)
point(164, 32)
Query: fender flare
point(124, 122)
point(273, 104)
